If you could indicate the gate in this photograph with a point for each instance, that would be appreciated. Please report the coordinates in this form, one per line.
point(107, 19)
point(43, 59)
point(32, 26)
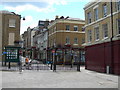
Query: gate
point(61, 60)
point(67, 59)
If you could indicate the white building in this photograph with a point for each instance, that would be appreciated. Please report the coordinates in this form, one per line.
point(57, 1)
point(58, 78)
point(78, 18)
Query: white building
point(41, 41)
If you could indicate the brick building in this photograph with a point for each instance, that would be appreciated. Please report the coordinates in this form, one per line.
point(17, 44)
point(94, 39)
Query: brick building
point(102, 36)
point(65, 37)
point(9, 29)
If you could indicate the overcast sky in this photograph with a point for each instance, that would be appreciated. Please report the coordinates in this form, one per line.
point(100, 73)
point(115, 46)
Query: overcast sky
point(37, 10)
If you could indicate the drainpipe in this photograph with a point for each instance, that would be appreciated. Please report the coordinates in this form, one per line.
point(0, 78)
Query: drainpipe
point(111, 40)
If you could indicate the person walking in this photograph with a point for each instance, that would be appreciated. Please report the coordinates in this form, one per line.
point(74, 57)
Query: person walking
point(26, 60)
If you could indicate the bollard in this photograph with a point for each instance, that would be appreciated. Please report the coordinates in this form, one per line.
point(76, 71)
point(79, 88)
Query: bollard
point(9, 66)
point(78, 67)
point(54, 69)
point(51, 67)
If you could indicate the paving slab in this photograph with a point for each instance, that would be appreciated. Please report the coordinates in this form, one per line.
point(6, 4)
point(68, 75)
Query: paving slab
point(58, 79)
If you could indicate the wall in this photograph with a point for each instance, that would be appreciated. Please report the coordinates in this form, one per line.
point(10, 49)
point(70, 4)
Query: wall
point(8, 29)
point(98, 57)
point(100, 21)
point(59, 34)
point(0, 36)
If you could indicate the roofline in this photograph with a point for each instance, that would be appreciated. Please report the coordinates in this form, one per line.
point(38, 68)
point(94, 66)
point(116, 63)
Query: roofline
point(90, 3)
point(57, 21)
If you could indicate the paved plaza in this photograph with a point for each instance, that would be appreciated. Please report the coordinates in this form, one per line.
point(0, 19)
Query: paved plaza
point(58, 79)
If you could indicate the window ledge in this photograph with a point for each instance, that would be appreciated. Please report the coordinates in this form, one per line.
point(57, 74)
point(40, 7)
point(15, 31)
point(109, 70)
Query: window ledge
point(75, 44)
point(89, 42)
point(11, 26)
point(118, 35)
point(67, 43)
point(97, 40)
point(105, 38)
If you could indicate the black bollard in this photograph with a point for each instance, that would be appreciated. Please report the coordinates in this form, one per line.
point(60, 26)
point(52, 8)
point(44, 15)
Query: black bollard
point(54, 67)
point(51, 66)
point(9, 66)
point(78, 67)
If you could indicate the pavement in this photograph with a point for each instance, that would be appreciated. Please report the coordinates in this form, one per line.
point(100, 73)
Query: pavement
point(58, 79)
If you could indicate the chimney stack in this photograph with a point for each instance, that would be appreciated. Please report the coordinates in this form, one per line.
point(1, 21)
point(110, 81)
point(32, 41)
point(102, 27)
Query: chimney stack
point(56, 17)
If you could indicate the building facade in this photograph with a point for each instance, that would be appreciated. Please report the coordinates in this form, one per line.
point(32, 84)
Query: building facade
point(41, 41)
point(0, 37)
point(10, 29)
point(65, 38)
point(28, 41)
point(102, 31)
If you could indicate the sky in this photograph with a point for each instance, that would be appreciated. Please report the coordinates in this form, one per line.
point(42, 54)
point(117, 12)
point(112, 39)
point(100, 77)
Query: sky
point(35, 10)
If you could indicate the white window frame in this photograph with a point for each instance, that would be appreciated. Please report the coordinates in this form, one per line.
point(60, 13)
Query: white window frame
point(96, 15)
point(97, 35)
point(118, 26)
point(67, 40)
point(55, 28)
point(104, 10)
point(75, 28)
point(12, 23)
point(89, 17)
point(75, 40)
point(68, 29)
point(105, 30)
point(118, 5)
point(89, 36)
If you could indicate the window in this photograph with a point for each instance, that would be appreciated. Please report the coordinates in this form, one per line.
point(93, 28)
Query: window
point(96, 13)
point(67, 27)
point(105, 30)
point(118, 25)
point(12, 22)
point(83, 40)
point(89, 35)
point(75, 28)
point(54, 28)
point(83, 29)
point(104, 10)
point(75, 40)
point(67, 40)
point(11, 38)
point(89, 17)
point(96, 33)
point(118, 4)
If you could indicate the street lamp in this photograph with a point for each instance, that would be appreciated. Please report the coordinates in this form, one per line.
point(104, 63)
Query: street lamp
point(23, 18)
